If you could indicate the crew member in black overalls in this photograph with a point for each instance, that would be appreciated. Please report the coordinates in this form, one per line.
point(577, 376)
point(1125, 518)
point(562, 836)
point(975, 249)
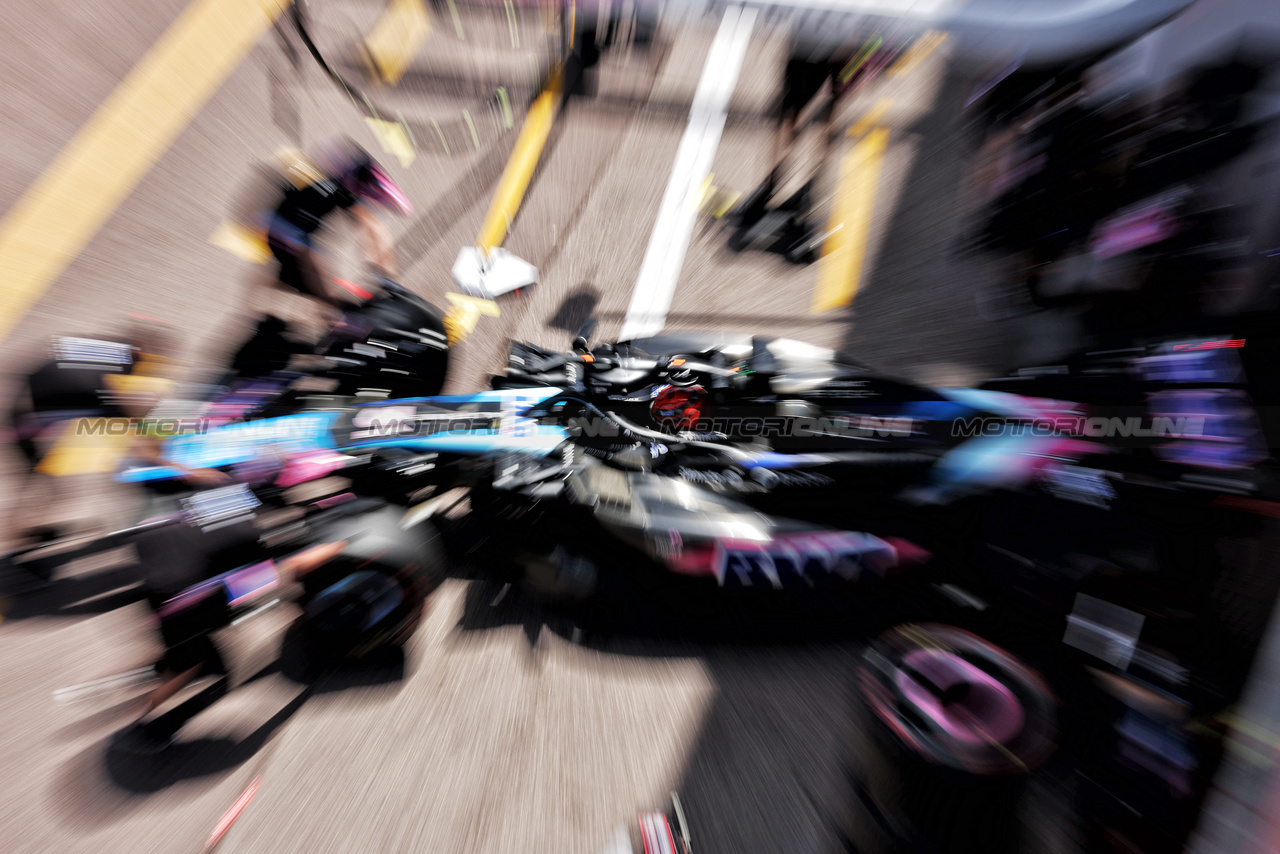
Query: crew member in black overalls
point(310, 196)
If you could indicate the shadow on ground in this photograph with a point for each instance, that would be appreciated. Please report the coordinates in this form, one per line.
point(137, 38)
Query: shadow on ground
point(918, 305)
point(103, 784)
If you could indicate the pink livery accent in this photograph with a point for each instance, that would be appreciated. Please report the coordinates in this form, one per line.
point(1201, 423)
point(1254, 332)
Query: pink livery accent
point(851, 555)
point(1035, 454)
point(989, 712)
point(308, 467)
point(388, 193)
point(909, 554)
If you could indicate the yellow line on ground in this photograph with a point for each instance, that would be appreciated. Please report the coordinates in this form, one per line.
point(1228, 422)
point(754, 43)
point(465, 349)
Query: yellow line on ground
point(396, 38)
point(247, 244)
point(844, 251)
point(71, 200)
point(871, 118)
point(917, 53)
point(524, 159)
point(394, 139)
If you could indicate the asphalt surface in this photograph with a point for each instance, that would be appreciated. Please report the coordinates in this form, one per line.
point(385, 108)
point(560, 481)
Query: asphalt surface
point(494, 734)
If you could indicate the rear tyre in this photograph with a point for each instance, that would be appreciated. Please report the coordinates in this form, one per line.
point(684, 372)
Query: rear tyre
point(948, 732)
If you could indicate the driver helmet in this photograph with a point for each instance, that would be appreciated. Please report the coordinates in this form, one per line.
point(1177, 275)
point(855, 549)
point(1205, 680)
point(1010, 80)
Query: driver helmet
point(678, 408)
point(365, 177)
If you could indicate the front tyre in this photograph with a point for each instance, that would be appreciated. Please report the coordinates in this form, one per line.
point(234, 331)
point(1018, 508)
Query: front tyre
point(374, 595)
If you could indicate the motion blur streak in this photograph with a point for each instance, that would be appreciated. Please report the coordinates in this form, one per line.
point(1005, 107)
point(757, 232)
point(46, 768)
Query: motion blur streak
point(63, 210)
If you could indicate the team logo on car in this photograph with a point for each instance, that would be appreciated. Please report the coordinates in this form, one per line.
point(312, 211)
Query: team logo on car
point(804, 559)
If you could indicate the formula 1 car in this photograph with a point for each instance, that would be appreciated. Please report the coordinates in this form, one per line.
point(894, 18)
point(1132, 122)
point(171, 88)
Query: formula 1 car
point(757, 415)
point(579, 531)
point(722, 463)
point(804, 436)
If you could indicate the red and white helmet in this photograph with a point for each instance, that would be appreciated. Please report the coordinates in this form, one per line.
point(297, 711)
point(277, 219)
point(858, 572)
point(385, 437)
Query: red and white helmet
point(678, 408)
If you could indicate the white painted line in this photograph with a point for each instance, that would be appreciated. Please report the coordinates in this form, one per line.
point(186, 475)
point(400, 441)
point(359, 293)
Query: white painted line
point(669, 241)
point(104, 685)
